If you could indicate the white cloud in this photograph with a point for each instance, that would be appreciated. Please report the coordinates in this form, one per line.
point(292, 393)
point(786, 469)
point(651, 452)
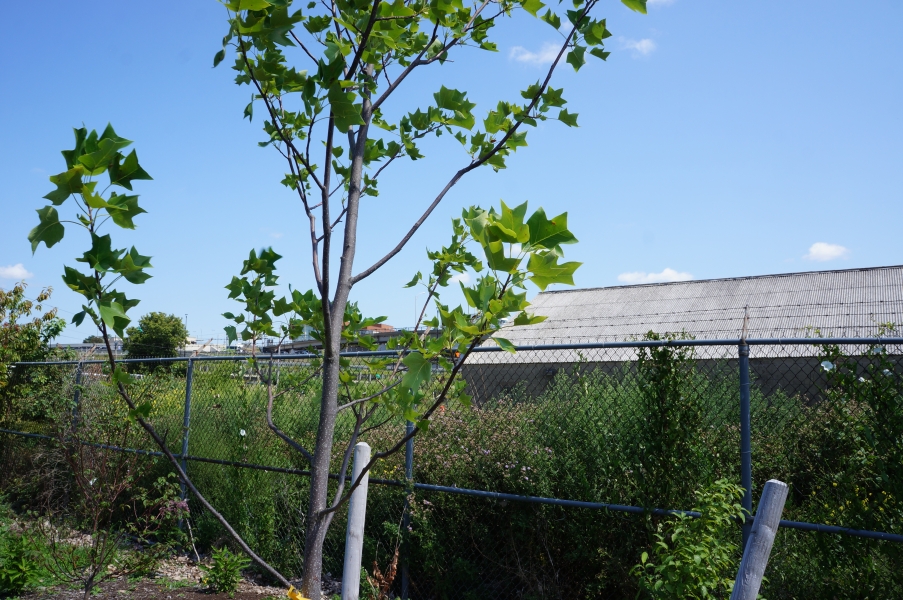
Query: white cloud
point(665, 276)
point(821, 251)
point(461, 277)
point(16, 271)
point(544, 56)
point(643, 47)
point(276, 235)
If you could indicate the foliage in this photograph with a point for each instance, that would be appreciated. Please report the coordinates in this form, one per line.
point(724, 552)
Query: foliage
point(696, 558)
point(340, 121)
point(23, 337)
point(18, 564)
point(224, 572)
point(93, 156)
point(157, 335)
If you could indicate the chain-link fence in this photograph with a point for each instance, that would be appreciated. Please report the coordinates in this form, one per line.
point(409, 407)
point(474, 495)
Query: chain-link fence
point(553, 481)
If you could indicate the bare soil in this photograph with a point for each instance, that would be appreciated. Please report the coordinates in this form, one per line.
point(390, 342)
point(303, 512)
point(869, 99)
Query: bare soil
point(176, 579)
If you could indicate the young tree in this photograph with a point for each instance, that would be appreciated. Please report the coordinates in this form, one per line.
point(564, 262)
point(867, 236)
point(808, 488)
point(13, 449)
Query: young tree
point(104, 304)
point(157, 334)
point(328, 117)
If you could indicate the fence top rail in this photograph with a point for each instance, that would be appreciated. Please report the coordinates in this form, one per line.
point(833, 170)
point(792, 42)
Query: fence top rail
point(887, 341)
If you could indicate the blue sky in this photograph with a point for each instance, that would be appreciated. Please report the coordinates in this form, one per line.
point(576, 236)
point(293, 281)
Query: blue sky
point(718, 140)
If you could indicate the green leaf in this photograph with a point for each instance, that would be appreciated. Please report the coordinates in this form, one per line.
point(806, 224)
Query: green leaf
point(253, 4)
point(419, 369)
point(230, 333)
point(576, 57)
point(552, 19)
point(569, 119)
point(546, 270)
point(114, 316)
point(347, 114)
point(599, 53)
point(122, 174)
point(414, 281)
point(67, 183)
point(120, 376)
point(218, 57)
point(504, 344)
point(123, 209)
point(548, 233)
point(532, 6)
point(142, 411)
point(49, 230)
point(635, 5)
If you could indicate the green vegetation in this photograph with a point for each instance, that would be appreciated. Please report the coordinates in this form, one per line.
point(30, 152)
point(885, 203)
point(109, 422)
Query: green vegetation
point(224, 572)
point(157, 335)
point(588, 435)
point(696, 559)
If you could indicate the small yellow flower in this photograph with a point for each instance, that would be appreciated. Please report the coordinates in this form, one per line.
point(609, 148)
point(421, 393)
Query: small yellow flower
point(294, 594)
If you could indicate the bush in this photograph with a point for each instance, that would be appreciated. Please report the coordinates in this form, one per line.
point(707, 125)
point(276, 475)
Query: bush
point(18, 565)
point(696, 558)
point(224, 572)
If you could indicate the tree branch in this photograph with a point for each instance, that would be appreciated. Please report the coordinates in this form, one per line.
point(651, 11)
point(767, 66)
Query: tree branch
point(475, 163)
point(307, 455)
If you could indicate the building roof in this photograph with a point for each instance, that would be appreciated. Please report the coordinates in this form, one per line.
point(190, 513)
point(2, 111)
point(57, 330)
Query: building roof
point(844, 303)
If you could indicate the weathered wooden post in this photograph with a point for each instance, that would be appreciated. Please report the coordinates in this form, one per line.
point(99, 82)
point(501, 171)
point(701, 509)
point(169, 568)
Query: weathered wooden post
point(354, 535)
point(761, 539)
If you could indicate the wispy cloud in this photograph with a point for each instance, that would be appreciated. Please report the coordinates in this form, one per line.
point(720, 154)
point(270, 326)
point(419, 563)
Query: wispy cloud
point(544, 56)
point(665, 276)
point(16, 271)
point(276, 235)
point(643, 47)
point(461, 277)
point(821, 252)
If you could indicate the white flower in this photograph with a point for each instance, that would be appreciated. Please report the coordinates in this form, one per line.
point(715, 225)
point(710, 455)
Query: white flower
point(242, 432)
point(827, 365)
point(92, 481)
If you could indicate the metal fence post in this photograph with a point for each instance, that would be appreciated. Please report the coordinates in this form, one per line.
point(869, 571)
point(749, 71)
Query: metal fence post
point(745, 441)
point(406, 517)
point(185, 424)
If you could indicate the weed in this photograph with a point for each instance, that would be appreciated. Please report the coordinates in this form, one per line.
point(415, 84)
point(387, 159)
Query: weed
point(224, 572)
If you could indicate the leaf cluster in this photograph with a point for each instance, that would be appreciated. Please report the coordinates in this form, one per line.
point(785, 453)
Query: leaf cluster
point(224, 572)
point(696, 558)
point(92, 156)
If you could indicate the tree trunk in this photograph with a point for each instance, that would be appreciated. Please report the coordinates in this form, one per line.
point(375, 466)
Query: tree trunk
point(319, 480)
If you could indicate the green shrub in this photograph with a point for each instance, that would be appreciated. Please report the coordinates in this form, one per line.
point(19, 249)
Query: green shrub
point(18, 565)
point(696, 558)
point(224, 572)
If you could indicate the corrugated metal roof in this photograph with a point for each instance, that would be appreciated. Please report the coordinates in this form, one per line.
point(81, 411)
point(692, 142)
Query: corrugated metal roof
point(851, 302)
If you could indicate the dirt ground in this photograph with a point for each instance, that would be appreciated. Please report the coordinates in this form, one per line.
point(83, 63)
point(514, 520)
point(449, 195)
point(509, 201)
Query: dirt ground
point(176, 579)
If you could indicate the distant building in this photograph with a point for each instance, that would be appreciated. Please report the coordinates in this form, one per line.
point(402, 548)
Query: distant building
point(844, 303)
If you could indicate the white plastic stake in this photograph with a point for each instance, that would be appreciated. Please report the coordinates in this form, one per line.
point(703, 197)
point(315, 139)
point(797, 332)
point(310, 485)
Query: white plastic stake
point(354, 536)
point(761, 539)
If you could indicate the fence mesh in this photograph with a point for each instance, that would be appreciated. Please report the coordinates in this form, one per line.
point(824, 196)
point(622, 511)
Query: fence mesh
point(642, 426)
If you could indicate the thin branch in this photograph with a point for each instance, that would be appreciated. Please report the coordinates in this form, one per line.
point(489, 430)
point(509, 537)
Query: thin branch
point(303, 47)
point(368, 398)
point(272, 111)
point(364, 38)
point(398, 446)
point(123, 393)
point(307, 455)
point(474, 164)
point(419, 60)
